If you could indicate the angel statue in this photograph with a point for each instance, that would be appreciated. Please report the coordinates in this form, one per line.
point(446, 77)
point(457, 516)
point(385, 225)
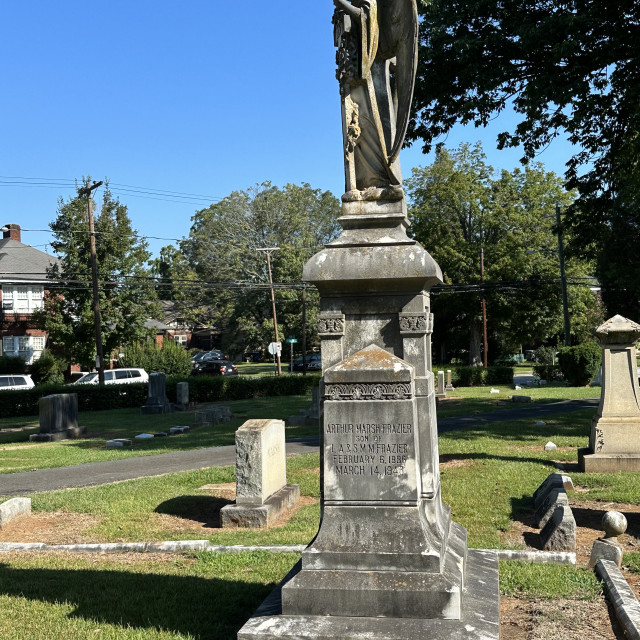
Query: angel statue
point(377, 57)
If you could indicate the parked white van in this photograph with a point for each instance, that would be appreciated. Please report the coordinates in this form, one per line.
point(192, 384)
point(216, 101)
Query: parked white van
point(116, 376)
point(15, 381)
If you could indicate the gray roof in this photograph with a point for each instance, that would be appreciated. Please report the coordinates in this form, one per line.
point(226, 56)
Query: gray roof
point(21, 263)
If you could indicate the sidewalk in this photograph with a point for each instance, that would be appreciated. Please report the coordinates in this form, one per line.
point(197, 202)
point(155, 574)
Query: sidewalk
point(95, 473)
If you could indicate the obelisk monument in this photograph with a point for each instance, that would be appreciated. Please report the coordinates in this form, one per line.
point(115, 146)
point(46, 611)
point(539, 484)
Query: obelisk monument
point(387, 563)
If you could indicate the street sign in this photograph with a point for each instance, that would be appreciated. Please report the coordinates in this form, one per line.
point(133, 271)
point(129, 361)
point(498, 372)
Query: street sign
point(292, 340)
point(275, 348)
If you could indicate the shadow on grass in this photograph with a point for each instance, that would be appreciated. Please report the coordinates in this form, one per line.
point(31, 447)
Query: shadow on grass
point(450, 457)
point(203, 509)
point(186, 605)
point(575, 425)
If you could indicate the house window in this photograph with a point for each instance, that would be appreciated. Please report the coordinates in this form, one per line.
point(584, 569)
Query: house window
point(181, 340)
point(38, 343)
point(22, 299)
point(9, 345)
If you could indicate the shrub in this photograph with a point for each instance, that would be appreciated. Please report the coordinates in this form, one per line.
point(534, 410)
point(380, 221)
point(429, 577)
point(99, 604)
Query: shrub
point(120, 396)
point(12, 364)
point(48, 369)
point(580, 363)
point(170, 358)
point(467, 376)
point(546, 367)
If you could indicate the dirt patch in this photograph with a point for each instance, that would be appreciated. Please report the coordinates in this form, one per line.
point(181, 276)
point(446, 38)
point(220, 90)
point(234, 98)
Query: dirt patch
point(450, 461)
point(51, 528)
point(522, 619)
point(588, 515)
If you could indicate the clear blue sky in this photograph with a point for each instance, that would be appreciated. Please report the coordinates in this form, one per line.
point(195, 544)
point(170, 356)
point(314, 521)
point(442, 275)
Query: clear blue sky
point(197, 97)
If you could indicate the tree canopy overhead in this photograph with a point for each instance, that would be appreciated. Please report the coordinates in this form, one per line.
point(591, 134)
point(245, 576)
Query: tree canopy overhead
point(563, 66)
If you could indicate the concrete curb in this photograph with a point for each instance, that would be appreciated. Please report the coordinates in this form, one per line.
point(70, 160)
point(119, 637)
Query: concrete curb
point(180, 546)
point(541, 557)
point(622, 599)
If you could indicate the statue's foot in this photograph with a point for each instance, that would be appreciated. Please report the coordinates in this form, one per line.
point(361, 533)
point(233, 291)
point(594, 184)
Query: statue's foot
point(372, 194)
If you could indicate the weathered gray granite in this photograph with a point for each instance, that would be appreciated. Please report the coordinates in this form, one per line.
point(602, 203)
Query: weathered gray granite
point(260, 515)
point(182, 396)
point(13, 509)
point(621, 597)
point(212, 416)
point(555, 498)
point(262, 493)
point(480, 620)
point(559, 533)
point(157, 401)
point(261, 464)
point(614, 524)
point(552, 481)
point(614, 442)
point(58, 418)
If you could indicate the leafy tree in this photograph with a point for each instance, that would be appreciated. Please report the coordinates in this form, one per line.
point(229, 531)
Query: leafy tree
point(222, 250)
point(170, 358)
point(126, 297)
point(568, 67)
point(48, 369)
point(460, 208)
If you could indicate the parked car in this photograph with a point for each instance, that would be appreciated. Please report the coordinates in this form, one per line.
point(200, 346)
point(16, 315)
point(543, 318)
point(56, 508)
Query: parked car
point(216, 368)
point(314, 363)
point(116, 376)
point(15, 381)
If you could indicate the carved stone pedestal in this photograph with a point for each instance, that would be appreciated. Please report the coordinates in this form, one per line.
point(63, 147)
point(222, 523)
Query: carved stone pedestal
point(614, 443)
point(387, 562)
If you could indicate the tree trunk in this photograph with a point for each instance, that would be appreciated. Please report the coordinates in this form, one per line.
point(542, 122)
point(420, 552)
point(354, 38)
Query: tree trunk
point(475, 344)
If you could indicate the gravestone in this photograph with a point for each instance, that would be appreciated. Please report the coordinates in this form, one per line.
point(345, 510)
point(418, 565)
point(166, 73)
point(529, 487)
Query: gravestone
point(388, 562)
point(262, 492)
point(58, 418)
point(212, 416)
point(449, 386)
point(614, 442)
point(157, 401)
point(182, 396)
point(441, 393)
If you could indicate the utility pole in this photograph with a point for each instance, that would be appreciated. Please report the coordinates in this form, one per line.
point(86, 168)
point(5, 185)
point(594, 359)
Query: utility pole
point(268, 251)
point(304, 329)
point(86, 191)
point(563, 280)
point(485, 346)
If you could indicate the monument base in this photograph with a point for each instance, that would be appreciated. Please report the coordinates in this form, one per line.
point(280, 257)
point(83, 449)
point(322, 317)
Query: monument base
point(260, 515)
point(70, 434)
point(481, 615)
point(153, 409)
point(590, 462)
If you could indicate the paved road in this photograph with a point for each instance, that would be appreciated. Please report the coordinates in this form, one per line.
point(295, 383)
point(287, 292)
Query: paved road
point(95, 473)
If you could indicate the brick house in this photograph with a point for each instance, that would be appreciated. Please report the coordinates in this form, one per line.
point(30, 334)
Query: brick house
point(23, 280)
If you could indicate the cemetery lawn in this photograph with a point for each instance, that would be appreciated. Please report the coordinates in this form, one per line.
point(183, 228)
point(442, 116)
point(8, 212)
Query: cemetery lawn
point(187, 597)
point(470, 400)
point(489, 474)
point(17, 454)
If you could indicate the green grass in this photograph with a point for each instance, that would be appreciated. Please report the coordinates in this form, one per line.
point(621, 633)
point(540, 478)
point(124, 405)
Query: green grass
point(525, 579)
point(127, 423)
point(135, 510)
point(203, 597)
point(480, 399)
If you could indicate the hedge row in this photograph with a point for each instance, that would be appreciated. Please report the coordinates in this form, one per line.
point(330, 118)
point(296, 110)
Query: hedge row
point(478, 376)
point(201, 389)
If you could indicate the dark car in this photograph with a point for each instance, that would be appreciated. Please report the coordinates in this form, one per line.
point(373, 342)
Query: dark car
point(314, 363)
point(215, 368)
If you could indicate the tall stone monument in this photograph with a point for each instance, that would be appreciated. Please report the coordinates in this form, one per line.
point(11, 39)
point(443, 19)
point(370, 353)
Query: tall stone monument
point(387, 563)
point(614, 443)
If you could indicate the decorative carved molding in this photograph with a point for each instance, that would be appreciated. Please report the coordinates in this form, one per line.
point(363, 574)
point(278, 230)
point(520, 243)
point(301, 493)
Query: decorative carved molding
point(413, 323)
point(599, 440)
point(375, 391)
point(331, 324)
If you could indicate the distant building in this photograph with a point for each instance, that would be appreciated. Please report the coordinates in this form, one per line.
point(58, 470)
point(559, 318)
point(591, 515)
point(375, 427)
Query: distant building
point(23, 281)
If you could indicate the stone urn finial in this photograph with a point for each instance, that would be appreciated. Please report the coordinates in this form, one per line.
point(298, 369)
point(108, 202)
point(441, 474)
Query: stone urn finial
point(618, 330)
